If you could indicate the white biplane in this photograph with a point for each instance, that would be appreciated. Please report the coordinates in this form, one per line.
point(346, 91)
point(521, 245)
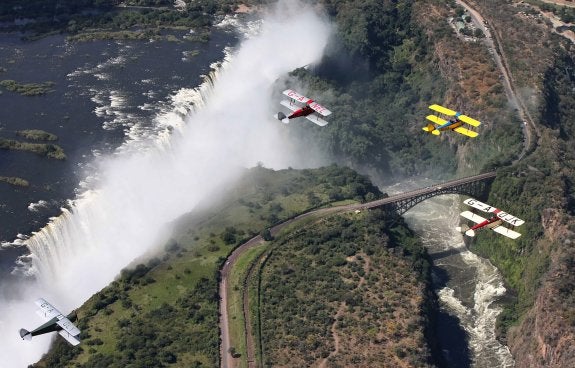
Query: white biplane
point(309, 109)
point(494, 223)
point(56, 321)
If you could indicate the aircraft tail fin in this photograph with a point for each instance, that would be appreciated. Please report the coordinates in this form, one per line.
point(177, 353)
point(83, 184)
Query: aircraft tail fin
point(430, 128)
point(466, 230)
point(25, 334)
point(462, 228)
point(282, 117)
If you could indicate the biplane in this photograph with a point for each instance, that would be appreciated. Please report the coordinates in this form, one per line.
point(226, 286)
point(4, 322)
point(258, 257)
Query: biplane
point(455, 122)
point(494, 223)
point(56, 321)
point(302, 106)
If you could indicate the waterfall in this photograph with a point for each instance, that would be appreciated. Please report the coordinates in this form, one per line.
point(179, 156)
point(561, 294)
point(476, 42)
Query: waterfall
point(212, 133)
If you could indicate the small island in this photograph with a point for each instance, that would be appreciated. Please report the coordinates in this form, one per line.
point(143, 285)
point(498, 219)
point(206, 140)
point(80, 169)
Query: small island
point(44, 149)
point(37, 135)
point(27, 89)
point(15, 181)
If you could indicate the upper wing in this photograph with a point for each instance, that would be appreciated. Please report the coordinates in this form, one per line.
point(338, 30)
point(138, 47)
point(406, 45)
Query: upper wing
point(314, 105)
point(509, 218)
point(46, 311)
point(467, 132)
point(316, 120)
point(68, 326)
point(289, 105)
point(319, 109)
point(506, 232)
point(296, 96)
point(473, 217)
point(436, 119)
point(468, 120)
point(443, 110)
point(479, 205)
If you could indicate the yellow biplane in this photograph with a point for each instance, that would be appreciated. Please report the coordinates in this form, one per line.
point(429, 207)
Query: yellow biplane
point(454, 123)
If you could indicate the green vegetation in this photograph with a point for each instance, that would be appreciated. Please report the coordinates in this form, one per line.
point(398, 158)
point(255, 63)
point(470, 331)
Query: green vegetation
point(131, 322)
point(351, 279)
point(28, 89)
point(103, 18)
point(37, 135)
point(44, 149)
point(565, 13)
point(18, 182)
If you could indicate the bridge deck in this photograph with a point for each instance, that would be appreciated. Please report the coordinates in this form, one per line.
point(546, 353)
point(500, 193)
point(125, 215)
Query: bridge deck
point(451, 186)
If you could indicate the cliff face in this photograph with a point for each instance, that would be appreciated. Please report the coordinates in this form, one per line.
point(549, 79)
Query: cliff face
point(546, 335)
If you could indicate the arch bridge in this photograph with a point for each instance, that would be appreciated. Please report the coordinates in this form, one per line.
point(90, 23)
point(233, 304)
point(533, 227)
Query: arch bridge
point(474, 186)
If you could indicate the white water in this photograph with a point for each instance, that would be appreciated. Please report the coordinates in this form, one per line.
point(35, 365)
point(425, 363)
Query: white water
point(152, 180)
point(474, 285)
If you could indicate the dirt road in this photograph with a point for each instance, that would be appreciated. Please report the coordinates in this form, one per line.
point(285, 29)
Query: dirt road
point(493, 42)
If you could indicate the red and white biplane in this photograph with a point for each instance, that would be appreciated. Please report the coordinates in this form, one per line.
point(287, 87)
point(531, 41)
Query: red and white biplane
point(302, 106)
point(494, 223)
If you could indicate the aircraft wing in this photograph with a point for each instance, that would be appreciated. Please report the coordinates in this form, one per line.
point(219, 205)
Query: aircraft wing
point(74, 340)
point(510, 219)
point(69, 331)
point(296, 96)
point(46, 311)
point(473, 217)
point(506, 232)
point(436, 119)
point(468, 120)
point(319, 109)
point(467, 132)
point(289, 105)
point(479, 205)
point(316, 120)
point(442, 110)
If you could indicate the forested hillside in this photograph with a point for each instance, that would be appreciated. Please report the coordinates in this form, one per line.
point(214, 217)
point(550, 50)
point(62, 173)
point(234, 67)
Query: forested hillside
point(388, 62)
point(346, 291)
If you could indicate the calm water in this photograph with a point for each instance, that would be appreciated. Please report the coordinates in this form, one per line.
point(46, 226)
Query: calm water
point(105, 92)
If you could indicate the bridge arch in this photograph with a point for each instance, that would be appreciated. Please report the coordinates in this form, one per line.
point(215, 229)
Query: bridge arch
point(474, 186)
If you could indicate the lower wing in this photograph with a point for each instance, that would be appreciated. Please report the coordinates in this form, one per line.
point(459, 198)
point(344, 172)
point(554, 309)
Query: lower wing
point(468, 120)
point(74, 340)
point(466, 132)
point(506, 232)
point(316, 120)
point(436, 119)
point(290, 105)
point(473, 217)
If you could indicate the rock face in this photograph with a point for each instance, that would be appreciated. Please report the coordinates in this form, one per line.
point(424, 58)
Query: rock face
point(546, 335)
